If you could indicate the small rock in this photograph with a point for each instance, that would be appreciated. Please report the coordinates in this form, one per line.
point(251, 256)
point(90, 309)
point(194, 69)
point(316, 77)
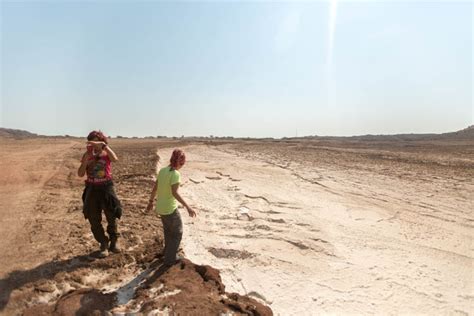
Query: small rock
point(46, 287)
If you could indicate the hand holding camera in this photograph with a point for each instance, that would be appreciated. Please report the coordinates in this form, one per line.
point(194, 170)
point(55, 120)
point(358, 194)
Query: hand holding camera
point(93, 150)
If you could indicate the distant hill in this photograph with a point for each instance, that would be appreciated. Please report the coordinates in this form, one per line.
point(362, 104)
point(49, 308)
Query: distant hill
point(16, 133)
point(464, 134)
point(467, 133)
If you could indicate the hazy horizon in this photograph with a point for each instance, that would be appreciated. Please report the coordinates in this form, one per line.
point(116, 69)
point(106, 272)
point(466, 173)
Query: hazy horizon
point(224, 136)
point(241, 69)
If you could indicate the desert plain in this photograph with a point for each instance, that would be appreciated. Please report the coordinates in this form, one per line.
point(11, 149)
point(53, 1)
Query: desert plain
point(297, 226)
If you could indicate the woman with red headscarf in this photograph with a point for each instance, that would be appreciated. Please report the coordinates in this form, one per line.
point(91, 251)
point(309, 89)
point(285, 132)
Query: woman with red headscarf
point(99, 194)
point(165, 191)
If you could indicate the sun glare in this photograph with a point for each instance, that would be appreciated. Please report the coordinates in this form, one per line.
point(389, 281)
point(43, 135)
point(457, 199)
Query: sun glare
point(332, 27)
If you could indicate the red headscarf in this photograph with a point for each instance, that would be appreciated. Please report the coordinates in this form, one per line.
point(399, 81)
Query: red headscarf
point(177, 157)
point(97, 134)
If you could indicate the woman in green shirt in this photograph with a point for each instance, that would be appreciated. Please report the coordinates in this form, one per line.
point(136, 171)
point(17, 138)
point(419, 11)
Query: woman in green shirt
point(165, 191)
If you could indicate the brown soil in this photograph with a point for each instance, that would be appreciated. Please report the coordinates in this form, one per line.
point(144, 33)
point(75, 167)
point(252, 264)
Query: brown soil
point(48, 263)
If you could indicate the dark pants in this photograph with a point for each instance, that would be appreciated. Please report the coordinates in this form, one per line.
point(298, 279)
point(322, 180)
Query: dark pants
point(173, 230)
point(97, 198)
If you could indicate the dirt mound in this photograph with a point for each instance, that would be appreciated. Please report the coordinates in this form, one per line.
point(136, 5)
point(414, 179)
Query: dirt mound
point(183, 289)
point(187, 288)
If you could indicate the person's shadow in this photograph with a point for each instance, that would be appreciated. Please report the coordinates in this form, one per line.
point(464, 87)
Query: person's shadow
point(16, 279)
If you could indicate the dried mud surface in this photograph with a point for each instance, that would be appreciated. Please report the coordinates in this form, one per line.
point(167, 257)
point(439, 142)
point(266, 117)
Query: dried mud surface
point(307, 226)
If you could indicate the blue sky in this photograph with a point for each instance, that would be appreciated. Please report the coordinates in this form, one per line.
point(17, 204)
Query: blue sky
point(236, 68)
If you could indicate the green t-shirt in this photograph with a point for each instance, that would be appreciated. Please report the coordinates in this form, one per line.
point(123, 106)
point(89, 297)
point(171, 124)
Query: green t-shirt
point(165, 201)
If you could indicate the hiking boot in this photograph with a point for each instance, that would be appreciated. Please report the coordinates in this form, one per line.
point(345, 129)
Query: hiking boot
point(172, 263)
point(113, 247)
point(103, 250)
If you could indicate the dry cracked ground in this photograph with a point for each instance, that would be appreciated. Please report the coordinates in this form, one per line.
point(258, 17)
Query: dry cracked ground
point(308, 226)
